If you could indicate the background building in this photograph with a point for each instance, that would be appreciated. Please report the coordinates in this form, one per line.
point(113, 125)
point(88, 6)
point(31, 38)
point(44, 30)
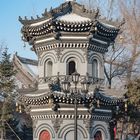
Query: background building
point(26, 72)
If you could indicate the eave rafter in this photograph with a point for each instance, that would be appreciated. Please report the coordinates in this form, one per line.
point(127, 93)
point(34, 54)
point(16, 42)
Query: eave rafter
point(73, 26)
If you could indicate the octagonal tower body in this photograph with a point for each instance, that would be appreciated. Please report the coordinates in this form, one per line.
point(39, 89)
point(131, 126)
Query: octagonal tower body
point(67, 39)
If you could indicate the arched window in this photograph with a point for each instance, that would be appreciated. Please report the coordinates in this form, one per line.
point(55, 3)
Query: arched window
point(95, 70)
point(98, 135)
point(44, 135)
point(48, 68)
point(71, 67)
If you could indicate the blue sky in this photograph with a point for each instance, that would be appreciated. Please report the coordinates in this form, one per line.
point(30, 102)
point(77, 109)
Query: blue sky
point(10, 27)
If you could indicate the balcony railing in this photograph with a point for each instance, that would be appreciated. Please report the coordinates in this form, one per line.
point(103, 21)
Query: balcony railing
point(61, 78)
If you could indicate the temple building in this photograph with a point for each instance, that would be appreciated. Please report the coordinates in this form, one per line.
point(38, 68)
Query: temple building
point(69, 104)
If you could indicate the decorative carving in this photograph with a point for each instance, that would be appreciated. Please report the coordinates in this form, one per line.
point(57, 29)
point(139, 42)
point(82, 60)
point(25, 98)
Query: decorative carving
point(56, 124)
point(86, 53)
point(34, 124)
point(27, 109)
point(39, 54)
point(58, 53)
point(88, 124)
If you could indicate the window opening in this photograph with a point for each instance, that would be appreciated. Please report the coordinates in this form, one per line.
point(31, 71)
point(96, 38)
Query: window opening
point(95, 68)
point(98, 136)
point(48, 68)
point(71, 67)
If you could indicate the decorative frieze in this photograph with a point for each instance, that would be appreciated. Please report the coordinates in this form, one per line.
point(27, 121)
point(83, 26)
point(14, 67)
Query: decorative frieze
point(86, 118)
point(71, 46)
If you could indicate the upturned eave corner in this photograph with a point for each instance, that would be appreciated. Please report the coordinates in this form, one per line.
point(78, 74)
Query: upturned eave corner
point(114, 24)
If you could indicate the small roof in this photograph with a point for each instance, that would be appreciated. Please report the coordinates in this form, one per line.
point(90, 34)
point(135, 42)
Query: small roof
point(28, 65)
point(27, 71)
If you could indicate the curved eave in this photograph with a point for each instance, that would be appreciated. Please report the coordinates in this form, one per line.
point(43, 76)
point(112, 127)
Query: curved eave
point(33, 31)
point(30, 32)
point(26, 21)
point(66, 99)
point(49, 27)
point(57, 25)
point(107, 31)
point(108, 100)
point(59, 98)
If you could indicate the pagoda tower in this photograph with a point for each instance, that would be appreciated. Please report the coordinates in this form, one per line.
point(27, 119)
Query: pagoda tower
point(70, 42)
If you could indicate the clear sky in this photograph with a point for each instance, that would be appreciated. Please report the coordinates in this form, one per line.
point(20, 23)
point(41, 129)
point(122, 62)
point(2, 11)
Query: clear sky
point(10, 27)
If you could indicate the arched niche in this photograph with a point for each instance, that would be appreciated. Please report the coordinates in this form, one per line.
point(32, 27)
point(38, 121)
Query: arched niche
point(43, 127)
point(48, 68)
point(71, 65)
point(72, 54)
point(96, 62)
point(95, 68)
point(98, 136)
point(102, 130)
point(47, 56)
point(44, 135)
point(97, 57)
